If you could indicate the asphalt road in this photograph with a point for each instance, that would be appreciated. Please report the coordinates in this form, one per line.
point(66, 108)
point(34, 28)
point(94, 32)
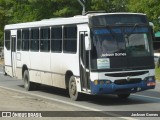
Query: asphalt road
point(142, 101)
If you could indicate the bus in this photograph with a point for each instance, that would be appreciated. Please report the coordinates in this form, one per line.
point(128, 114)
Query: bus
point(96, 53)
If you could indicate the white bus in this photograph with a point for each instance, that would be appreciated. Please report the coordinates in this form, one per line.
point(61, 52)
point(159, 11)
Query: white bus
point(98, 53)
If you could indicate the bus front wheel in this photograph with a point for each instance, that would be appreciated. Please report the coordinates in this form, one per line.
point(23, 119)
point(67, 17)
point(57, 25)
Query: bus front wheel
point(28, 85)
point(123, 96)
point(73, 93)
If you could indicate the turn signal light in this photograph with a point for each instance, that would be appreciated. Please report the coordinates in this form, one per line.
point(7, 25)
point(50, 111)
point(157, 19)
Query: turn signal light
point(96, 82)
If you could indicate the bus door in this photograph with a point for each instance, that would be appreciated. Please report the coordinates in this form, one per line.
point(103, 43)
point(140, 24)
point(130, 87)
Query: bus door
point(84, 62)
point(13, 55)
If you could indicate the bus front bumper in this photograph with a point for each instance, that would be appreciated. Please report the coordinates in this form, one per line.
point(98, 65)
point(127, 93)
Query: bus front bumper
point(104, 87)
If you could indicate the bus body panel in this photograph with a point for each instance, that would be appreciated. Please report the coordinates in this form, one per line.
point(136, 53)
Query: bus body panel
point(56, 69)
point(40, 67)
point(25, 59)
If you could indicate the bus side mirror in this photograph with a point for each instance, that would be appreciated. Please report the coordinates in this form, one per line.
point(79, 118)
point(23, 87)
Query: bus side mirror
point(87, 43)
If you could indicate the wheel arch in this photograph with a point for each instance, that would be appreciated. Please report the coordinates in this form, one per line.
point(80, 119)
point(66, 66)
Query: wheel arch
point(68, 74)
point(24, 67)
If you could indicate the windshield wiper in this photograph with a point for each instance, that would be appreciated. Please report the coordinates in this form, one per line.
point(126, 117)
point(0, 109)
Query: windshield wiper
point(127, 35)
point(134, 27)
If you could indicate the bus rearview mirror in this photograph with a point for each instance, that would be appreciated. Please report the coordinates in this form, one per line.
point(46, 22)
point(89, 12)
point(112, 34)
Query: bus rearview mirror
point(87, 43)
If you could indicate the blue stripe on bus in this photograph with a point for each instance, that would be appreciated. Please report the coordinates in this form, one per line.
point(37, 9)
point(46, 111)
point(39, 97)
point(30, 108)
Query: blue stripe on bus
point(126, 30)
point(117, 89)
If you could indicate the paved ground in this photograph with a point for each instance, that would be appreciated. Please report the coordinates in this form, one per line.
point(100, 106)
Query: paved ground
point(14, 101)
point(11, 101)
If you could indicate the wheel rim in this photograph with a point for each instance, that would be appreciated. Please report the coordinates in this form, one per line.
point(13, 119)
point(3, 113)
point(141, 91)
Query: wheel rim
point(73, 88)
point(25, 81)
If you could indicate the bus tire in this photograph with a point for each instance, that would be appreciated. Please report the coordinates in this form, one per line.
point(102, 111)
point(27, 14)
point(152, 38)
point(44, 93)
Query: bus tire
point(28, 85)
point(73, 93)
point(123, 96)
point(4, 71)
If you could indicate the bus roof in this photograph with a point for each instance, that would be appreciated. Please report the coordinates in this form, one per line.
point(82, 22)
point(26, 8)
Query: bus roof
point(117, 13)
point(49, 22)
point(79, 19)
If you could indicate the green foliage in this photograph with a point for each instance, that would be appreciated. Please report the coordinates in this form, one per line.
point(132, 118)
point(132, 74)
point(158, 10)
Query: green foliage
point(150, 7)
point(109, 5)
point(16, 11)
point(157, 71)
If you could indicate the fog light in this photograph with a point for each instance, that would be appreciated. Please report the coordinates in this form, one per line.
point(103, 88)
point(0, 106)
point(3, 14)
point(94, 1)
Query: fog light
point(96, 82)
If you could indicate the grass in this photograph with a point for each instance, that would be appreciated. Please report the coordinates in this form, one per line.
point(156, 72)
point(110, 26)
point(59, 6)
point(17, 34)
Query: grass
point(157, 70)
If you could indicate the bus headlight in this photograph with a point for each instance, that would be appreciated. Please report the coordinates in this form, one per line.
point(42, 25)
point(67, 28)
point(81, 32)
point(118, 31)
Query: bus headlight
point(150, 78)
point(108, 82)
point(102, 82)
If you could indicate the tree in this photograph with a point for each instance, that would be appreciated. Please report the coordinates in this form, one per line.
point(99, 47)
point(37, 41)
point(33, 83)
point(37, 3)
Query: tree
point(17, 11)
point(4, 17)
point(150, 7)
point(109, 5)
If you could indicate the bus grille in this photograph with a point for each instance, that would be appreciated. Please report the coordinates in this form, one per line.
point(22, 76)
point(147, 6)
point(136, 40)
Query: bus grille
point(124, 81)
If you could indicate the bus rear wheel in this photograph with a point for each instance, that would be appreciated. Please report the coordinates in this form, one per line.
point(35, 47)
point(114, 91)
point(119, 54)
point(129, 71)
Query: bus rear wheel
point(73, 93)
point(28, 85)
point(123, 96)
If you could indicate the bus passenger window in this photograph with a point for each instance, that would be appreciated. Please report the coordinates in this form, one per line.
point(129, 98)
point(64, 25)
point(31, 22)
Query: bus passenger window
point(56, 39)
point(45, 40)
point(7, 39)
point(25, 39)
point(70, 39)
point(34, 46)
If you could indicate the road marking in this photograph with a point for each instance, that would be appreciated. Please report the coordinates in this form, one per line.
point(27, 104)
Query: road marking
point(146, 96)
point(68, 103)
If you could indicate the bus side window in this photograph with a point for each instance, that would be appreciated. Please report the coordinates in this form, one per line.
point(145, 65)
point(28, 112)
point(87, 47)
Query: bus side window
point(56, 39)
point(7, 39)
point(70, 39)
point(34, 45)
point(25, 39)
point(45, 39)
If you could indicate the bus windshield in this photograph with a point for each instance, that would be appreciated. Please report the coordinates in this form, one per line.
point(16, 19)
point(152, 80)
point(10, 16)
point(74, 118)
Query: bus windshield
point(108, 42)
point(111, 42)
